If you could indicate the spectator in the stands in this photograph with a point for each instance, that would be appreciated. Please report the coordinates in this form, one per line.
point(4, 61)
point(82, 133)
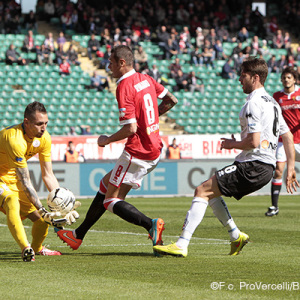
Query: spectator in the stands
point(146, 35)
point(49, 10)
point(14, 25)
point(290, 60)
point(99, 82)
point(43, 55)
point(59, 8)
point(141, 57)
point(186, 37)
point(219, 51)
point(73, 56)
point(278, 41)
point(30, 21)
point(297, 55)
point(64, 68)
point(247, 51)
point(207, 57)
point(66, 21)
point(61, 55)
point(238, 60)
point(106, 38)
point(154, 73)
point(93, 46)
point(170, 49)
point(221, 13)
point(195, 83)
point(182, 82)
point(273, 25)
point(28, 43)
point(238, 48)
point(264, 49)
point(49, 42)
point(196, 57)
point(223, 34)
point(195, 23)
point(2, 26)
point(212, 37)
point(92, 28)
point(104, 63)
point(135, 38)
point(199, 38)
point(12, 56)
point(282, 63)
point(85, 129)
point(174, 67)
point(163, 37)
point(75, 20)
point(227, 71)
point(255, 45)
point(182, 15)
point(2, 7)
point(72, 131)
point(272, 65)
point(61, 40)
point(117, 36)
point(287, 40)
point(243, 34)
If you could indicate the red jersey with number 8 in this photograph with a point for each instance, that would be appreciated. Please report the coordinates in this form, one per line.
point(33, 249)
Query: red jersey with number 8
point(137, 101)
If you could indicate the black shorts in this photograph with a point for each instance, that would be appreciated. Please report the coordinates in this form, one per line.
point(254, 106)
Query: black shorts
point(242, 178)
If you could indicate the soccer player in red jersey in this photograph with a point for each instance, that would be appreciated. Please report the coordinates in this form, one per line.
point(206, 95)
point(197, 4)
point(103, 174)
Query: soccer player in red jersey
point(139, 117)
point(289, 100)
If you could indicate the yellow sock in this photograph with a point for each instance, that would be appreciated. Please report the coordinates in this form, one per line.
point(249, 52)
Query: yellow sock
point(39, 233)
point(14, 222)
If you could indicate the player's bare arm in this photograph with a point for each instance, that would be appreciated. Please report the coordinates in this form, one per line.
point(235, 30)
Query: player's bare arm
point(48, 175)
point(126, 131)
point(289, 148)
point(23, 176)
point(168, 101)
point(251, 141)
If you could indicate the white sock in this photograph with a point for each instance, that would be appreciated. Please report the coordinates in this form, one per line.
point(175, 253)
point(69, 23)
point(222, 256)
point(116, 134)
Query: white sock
point(220, 210)
point(74, 233)
point(233, 230)
point(193, 218)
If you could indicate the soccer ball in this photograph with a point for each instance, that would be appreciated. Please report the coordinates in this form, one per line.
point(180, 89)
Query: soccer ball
point(61, 200)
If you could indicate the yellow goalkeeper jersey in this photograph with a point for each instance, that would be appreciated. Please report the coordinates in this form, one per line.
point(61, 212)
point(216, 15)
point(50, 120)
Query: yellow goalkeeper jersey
point(16, 148)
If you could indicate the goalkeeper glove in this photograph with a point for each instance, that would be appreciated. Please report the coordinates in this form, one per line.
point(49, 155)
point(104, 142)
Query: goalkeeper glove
point(73, 214)
point(49, 217)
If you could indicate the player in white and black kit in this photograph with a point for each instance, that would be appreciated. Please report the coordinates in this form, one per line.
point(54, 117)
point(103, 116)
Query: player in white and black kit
point(139, 113)
point(261, 124)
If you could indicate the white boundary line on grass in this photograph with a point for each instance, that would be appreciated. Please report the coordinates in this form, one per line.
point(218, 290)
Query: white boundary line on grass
point(212, 241)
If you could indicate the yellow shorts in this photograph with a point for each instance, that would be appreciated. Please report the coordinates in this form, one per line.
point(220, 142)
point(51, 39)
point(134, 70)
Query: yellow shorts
point(26, 207)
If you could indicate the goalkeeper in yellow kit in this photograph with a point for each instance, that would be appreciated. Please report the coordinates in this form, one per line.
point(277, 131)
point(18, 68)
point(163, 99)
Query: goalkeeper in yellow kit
point(18, 198)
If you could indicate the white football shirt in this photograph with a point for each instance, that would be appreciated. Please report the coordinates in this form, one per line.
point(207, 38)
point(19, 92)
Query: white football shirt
point(261, 113)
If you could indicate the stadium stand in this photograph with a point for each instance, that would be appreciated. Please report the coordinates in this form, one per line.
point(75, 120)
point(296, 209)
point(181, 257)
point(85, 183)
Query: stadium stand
point(69, 103)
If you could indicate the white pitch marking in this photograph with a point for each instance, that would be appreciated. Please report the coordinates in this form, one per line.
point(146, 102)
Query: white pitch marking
point(217, 241)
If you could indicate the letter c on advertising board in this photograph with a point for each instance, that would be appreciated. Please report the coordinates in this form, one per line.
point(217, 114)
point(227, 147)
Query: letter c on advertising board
point(95, 185)
point(191, 174)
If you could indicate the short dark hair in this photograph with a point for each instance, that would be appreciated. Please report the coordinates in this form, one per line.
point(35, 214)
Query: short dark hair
point(32, 108)
point(290, 70)
point(123, 52)
point(253, 66)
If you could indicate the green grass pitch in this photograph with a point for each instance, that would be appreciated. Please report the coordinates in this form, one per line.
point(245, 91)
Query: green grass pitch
point(116, 261)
